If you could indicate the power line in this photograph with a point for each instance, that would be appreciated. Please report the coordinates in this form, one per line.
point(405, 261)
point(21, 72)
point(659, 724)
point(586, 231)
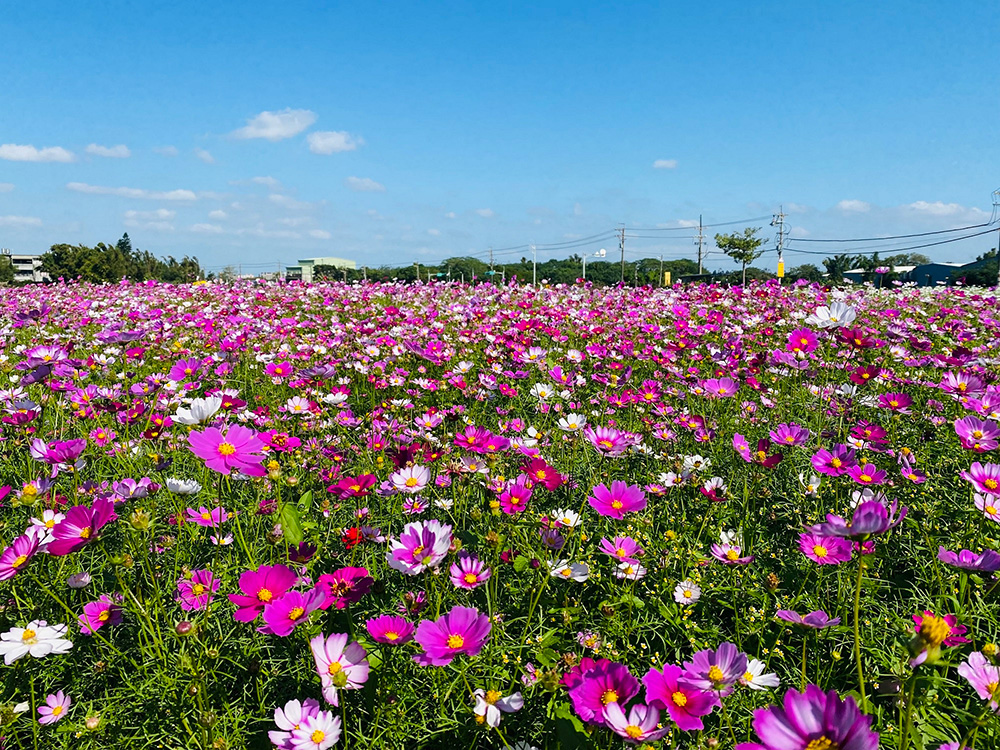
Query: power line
point(703, 226)
point(897, 249)
point(895, 236)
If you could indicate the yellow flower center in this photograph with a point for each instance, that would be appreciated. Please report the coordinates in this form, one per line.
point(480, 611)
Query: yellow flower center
point(334, 667)
point(264, 595)
point(471, 578)
point(412, 482)
point(492, 696)
point(991, 484)
point(748, 676)
point(633, 731)
point(732, 554)
point(865, 478)
point(227, 449)
point(28, 636)
point(21, 560)
point(609, 696)
point(934, 630)
point(715, 674)
point(822, 743)
point(105, 615)
point(605, 444)
point(198, 589)
point(680, 700)
point(57, 710)
point(836, 462)
point(85, 532)
point(418, 550)
point(977, 434)
point(820, 551)
point(616, 504)
point(295, 613)
point(30, 490)
point(456, 641)
point(391, 635)
point(688, 593)
point(620, 552)
point(206, 516)
point(318, 736)
point(990, 510)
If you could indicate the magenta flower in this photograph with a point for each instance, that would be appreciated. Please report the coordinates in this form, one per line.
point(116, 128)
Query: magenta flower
point(870, 518)
point(867, 474)
point(817, 620)
point(260, 587)
point(639, 726)
point(606, 683)
point(515, 496)
point(462, 631)
point(897, 402)
point(933, 632)
point(984, 477)
point(812, 719)
point(236, 448)
point(60, 454)
point(730, 554)
point(339, 664)
point(56, 707)
point(390, 629)
point(720, 387)
point(14, 559)
point(801, 340)
point(468, 572)
point(825, 550)
point(834, 462)
point(184, 369)
point(685, 704)
point(978, 435)
point(81, 526)
point(608, 441)
point(987, 562)
point(344, 586)
point(290, 610)
point(617, 501)
point(196, 592)
point(789, 434)
point(717, 670)
point(205, 517)
point(105, 611)
point(421, 545)
point(622, 549)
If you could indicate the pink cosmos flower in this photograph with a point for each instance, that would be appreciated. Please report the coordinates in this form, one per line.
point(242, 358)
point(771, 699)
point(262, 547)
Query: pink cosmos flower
point(867, 474)
point(339, 664)
point(60, 454)
point(617, 501)
point(56, 707)
point(236, 448)
point(717, 670)
point(411, 479)
point(608, 441)
point(933, 632)
point(789, 434)
point(825, 550)
point(291, 609)
point(989, 505)
point(289, 718)
point(515, 496)
point(468, 572)
point(639, 726)
point(870, 518)
point(391, 630)
point(983, 676)
point(817, 620)
point(685, 704)
point(987, 562)
point(14, 559)
point(196, 592)
point(205, 517)
point(260, 587)
point(984, 477)
point(720, 387)
point(105, 611)
point(834, 462)
point(81, 526)
point(978, 435)
point(606, 683)
point(320, 731)
point(278, 370)
point(344, 586)
point(897, 402)
point(421, 545)
point(622, 549)
point(801, 340)
point(184, 368)
point(462, 631)
point(730, 554)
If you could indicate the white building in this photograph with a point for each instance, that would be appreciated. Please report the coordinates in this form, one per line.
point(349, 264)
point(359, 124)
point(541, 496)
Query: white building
point(27, 268)
point(304, 270)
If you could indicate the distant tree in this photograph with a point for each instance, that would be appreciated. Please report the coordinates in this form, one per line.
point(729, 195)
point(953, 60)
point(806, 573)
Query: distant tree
point(807, 271)
point(6, 270)
point(125, 244)
point(109, 263)
point(744, 248)
point(836, 266)
point(983, 275)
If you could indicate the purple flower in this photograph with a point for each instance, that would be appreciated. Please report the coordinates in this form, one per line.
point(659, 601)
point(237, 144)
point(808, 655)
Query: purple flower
point(834, 462)
point(667, 690)
point(105, 611)
point(462, 631)
point(259, 588)
point(55, 708)
point(19, 553)
point(608, 682)
point(870, 518)
point(789, 434)
point(468, 572)
point(817, 620)
point(196, 592)
point(825, 550)
point(814, 720)
point(344, 586)
point(984, 477)
point(730, 554)
point(977, 434)
point(987, 562)
point(290, 610)
point(717, 670)
point(421, 545)
point(867, 474)
point(622, 549)
point(81, 526)
point(390, 629)
point(617, 501)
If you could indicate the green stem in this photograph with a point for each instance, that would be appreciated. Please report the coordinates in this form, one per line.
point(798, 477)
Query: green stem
point(805, 640)
point(857, 635)
point(908, 717)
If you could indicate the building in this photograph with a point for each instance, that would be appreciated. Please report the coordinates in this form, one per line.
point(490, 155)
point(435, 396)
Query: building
point(932, 274)
point(27, 268)
point(304, 270)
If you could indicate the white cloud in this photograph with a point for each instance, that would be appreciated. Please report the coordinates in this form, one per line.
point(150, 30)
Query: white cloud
point(937, 208)
point(577, 209)
point(364, 185)
point(166, 150)
point(665, 164)
point(288, 202)
point(854, 206)
point(160, 214)
point(6, 187)
point(333, 142)
point(677, 224)
point(486, 213)
point(218, 215)
point(276, 126)
point(296, 221)
point(20, 221)
point(450, 215)
point(120, 151)
point(434, 232)
point(259, 231)
point(798, 232)
point(125, 192)
point(13, 152)
point(320, 234)
point(204, 155)
point(796, 208)
point(206, 229)
point(269, 181)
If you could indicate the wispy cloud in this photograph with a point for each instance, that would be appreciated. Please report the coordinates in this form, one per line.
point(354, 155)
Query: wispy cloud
point(166, 150)
point(121, 151)
point(854, 206)
point(207, 229)
point(20, 221)
point(486, 213)
point(665, 164)
point(204, 155)
point(6, 187)
point(288, 202)
point(14, 152)
point(333, 142)
point(938, 208)
point(320, 234)
point(218, 215)
point(276, 126)
point(160, 214)
point(364, 185)
point(126, 192)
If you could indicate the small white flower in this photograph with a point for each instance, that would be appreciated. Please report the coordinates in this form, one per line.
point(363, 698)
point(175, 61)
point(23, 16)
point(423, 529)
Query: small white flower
point(566, 518)
point(183, 486)
point(687, 592)
point(568, 571)
point(755, 679)
point(200, 411)
point(38, 639)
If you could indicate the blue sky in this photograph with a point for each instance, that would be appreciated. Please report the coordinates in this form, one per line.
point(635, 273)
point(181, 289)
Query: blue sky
point(389, 133)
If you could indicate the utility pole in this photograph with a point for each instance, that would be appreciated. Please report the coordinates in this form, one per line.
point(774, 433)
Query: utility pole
point(621, 245)
point(491, 261)
point(417, 265)
point(534, 267)
point(364, 271)
point(661, 270)
point(701, 241)
point(996, 205)
point(778, 221)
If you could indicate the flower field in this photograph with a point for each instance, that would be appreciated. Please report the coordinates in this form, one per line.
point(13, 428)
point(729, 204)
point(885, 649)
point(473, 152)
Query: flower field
point(422, 516)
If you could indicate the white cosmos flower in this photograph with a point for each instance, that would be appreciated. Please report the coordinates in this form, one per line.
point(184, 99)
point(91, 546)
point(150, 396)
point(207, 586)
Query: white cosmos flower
point(572, 422)
point(183, 486)
point(490, 704)
point(200, 411)
point(837, 315)
point(569, 571)
point(566, 518)
point(687, 592)
point(630, 571)
point(755, 679)
point(38, 640)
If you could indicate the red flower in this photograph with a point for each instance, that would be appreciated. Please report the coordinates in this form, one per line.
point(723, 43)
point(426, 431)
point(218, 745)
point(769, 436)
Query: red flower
point(351, 537)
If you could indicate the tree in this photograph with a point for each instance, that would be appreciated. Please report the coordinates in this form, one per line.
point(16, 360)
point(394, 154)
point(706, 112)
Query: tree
point(743, 248)
point(985, 274)
point(6, 270)
point(806, 271)
point(836, 266)
point(125, 244)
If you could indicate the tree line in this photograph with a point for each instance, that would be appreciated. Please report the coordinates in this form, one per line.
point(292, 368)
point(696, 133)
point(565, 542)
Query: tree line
point(110, 263)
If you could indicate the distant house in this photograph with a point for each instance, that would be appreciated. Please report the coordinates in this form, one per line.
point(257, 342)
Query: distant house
point(27, 268)
point(932, 274)
point(304, 270)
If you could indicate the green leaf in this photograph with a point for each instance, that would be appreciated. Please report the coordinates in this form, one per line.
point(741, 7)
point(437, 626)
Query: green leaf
point(521, 563)
point(306, 501)
point(291, 526)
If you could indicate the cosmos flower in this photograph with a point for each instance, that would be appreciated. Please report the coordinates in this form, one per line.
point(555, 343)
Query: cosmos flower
point(569, 571)
point(756, 679)
point(56, 707)
point(687, 592)
point(870, 518)
point(282, 615)
point(730, 554)
point(421, 545)
point(986, 562)
point(236, 448)
point(38, 640)
point(411, 479)
point(622, 548)
point(685, 703)
point(16, 557)
point(344, 586)
point(817, 620)
point(639, 726)
point(620, 499)
point(468, 572)
point(105, 611)
point(196, 592)
point(339, 664)
point(717, 670)
point(984, 477)
point(825, 550)
point(289, 718)
point(208, 518)
point(391, 630)
point(933, 632)
point(463, 630)
point(200, 411)
point(983, 675)
point(606, 683)
point(260, 587)
point(491, 705)
point(81, 526)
